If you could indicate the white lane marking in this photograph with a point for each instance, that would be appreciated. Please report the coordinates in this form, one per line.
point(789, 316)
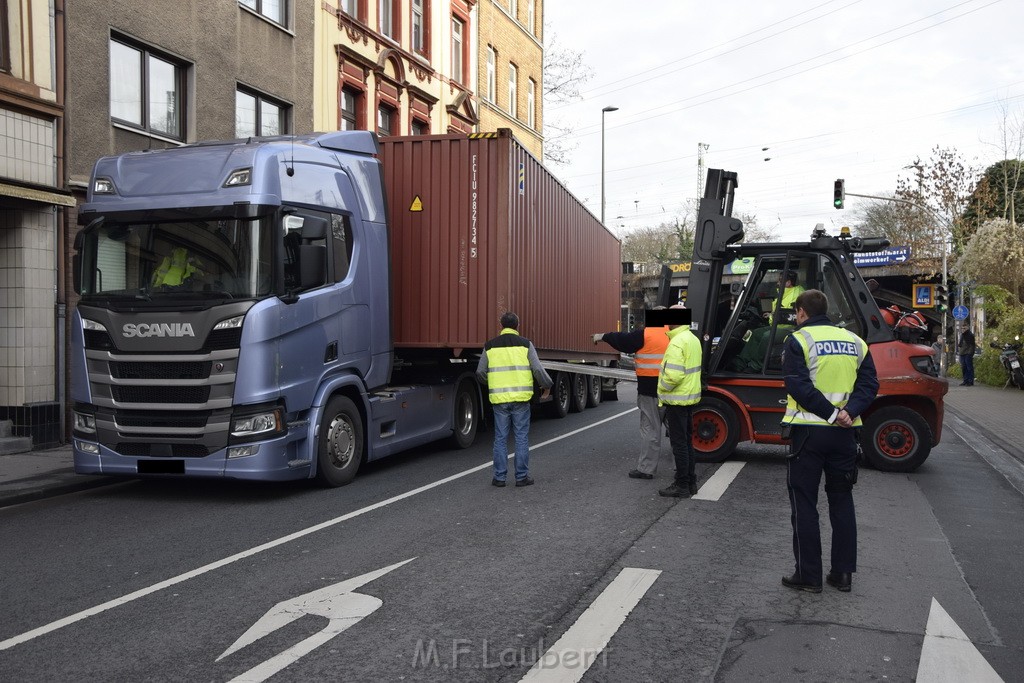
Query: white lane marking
point(149, 590)
point(949, 655)
point(337, 603)
point(714, 487)
point(569, 658)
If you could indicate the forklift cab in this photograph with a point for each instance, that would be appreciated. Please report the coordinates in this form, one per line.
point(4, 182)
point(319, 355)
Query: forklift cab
point(751, 342)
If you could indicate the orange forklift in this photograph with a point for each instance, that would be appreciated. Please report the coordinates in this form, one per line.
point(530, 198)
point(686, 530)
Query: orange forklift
point(744, 397)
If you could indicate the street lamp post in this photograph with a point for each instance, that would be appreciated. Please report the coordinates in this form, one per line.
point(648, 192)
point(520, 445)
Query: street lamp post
point(603, 112)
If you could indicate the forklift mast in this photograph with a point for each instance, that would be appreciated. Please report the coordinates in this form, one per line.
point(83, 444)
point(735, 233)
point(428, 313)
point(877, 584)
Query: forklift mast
point(716, 229)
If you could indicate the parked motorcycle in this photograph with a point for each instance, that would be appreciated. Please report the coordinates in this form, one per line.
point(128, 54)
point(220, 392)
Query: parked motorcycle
point(1008, 356)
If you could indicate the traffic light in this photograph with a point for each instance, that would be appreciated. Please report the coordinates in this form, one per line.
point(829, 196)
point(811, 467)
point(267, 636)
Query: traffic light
point(840, 193)
point(941, 298)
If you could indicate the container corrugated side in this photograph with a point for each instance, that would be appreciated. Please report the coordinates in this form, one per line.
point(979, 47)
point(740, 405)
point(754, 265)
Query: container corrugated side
point(478, 227)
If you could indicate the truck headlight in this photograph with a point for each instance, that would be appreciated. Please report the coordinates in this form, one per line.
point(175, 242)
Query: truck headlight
point(84, 423)
point(925, 365)
point(257, 424)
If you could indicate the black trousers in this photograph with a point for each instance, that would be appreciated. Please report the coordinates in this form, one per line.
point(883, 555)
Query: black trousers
point(832, 451)
point(679, 420)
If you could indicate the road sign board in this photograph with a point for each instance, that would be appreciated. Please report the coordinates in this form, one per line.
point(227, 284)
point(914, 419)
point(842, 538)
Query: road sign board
point(884, 257)
point(960, 313)
point(924, 296)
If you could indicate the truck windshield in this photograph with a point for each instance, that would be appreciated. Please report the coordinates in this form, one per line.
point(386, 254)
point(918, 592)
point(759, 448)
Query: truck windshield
point(221, 258)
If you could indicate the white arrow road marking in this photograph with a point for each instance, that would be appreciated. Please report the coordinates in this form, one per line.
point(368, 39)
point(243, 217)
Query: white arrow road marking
point(337, 603)
point(949, 655)
point(569, 658)
point(143, 592)
point(714, 487)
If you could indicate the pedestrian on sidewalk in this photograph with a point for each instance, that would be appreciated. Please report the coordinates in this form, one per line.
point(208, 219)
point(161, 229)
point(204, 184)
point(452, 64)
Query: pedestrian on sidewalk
point(966, 350)
point(831, 380)
point(679, 390)
point(508, 366)
point(648, 345)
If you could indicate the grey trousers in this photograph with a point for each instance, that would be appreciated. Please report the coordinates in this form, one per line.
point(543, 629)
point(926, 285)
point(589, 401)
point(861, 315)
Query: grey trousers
point(650, 433)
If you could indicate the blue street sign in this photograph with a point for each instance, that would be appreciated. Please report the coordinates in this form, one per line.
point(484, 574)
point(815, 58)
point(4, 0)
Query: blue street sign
point(960, 313)
point(884, 257)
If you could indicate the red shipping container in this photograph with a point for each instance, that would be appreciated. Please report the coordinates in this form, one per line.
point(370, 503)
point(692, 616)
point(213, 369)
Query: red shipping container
point(480, 227)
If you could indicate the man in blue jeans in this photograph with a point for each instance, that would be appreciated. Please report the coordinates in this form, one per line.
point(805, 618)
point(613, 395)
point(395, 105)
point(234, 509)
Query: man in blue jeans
point(509, 365)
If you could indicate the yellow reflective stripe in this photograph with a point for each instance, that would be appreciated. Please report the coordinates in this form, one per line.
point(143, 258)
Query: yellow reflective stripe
point(837, 398)
point(681, 399)
point(681, 368)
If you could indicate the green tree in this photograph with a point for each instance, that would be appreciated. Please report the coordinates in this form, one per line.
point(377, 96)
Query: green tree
point(998, 194)
point(994, 255)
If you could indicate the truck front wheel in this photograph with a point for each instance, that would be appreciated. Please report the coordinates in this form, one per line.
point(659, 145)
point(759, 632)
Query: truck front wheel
point(896, 439)
point(716, 431)
point(340, 444)
point(466, 417)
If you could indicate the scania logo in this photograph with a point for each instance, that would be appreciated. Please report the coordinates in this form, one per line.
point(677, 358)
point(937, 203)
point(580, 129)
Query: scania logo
point(158, 330)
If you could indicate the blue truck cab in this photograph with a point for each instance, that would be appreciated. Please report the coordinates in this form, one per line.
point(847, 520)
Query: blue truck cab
point(235, 317)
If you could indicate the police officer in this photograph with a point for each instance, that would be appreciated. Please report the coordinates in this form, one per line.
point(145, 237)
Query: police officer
point(509, 365)
point(648, 345)
point(679, 391)
point(831, 381)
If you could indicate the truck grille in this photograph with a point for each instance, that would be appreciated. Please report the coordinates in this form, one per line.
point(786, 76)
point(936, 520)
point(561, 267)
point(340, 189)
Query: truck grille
point(123, 394)
point(185, 370)
point(162, 420)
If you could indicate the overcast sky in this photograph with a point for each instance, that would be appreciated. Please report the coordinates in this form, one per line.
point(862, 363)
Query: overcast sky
point(853, 89)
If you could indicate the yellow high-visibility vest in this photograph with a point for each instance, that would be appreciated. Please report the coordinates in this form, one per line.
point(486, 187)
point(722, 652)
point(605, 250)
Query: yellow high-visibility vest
point(833, 356)
point(509, 378)
point(679, 379)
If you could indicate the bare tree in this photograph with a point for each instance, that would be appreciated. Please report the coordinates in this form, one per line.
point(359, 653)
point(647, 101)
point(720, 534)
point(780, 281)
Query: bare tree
point(564, 75)
point(944, 185)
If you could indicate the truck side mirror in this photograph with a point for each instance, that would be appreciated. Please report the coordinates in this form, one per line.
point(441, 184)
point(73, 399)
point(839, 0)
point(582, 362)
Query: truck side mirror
point(736, 288)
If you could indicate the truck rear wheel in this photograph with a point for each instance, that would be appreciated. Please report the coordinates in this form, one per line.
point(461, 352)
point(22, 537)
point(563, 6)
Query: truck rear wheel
point(716, 431)
point(560, 395)
point(593, 391)
point(578, 397)
point(896, 439)
point(466, 417)
point(340, 444)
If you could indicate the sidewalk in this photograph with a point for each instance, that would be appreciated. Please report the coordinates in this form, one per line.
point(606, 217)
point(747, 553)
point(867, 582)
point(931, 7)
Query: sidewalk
point(998, 412)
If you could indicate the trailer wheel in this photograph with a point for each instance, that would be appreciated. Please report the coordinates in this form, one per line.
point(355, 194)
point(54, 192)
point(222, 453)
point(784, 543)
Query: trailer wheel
point(896, 439)
point(716, 431)
point(466, 417)
point(578, 397)
point(560, 395)
point(593, 391)
point(340, 446)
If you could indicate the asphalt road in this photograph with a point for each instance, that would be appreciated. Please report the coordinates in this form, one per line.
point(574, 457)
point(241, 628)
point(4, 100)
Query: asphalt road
point(163, 580)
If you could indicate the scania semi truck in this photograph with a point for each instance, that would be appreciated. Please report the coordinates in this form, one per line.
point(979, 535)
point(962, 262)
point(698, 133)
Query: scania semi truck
point(290, 307)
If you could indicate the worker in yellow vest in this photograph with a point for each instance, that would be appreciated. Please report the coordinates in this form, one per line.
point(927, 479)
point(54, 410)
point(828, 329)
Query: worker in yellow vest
point(679, 390)
point(508, 366)
point(647, 344)
point(176, 269)
point(831, 380)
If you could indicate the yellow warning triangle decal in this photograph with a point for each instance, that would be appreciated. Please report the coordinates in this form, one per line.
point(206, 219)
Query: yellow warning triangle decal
point(417, 204)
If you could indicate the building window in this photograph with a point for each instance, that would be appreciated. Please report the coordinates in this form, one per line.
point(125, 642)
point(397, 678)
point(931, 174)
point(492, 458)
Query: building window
point(531, 15)
point(257, 115)
point(457, 47)
point(271, 9)
point(386, 19)
point(513, 8)
point(5, 39)
point(513, 93)
point(386, 120)
point(420, 127)
point(531, 103)
point(351, 8)
point(350, 100)
point(491, 78)
point(146, 90)
point(420, 23)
